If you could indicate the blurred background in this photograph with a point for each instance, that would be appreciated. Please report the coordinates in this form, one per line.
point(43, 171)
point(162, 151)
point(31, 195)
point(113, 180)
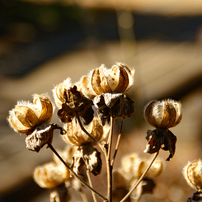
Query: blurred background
point(42, 42)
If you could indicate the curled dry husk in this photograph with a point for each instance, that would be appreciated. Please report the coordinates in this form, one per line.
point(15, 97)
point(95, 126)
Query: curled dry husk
point(25, 117)
point(102, 80)
point(160, 139)
point(76, 136)
point(163, 114)
point(117, 105)
point(71, 103)
point(90, 157)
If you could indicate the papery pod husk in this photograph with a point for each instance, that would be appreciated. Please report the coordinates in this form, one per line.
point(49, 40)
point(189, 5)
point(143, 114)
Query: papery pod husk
point(96, 81)
point(123, 81)
point(42, 135)
point(26, 116)
point(86, 88)
point(90, 157)
point(76, 104)
point(158, 138)
point(17, 125)
point(76, 136)
point(46, 111)
point(116, 105)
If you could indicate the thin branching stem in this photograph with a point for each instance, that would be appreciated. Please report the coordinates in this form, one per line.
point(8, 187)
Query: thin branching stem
point(117, 144)
point(141, 178)
point(108, 161)
point(91, 184)
point(84, 183)
point(87, 133)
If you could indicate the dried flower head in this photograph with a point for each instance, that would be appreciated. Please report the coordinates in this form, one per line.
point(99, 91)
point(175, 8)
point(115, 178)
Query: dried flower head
point(193, 174)
point(71, 103)
point(25, 117)
point(51, 175)
point(163, 114)
point(76, 136)
point(102, 80)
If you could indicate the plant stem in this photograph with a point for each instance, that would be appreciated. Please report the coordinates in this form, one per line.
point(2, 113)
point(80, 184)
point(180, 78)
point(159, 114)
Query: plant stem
point(91, 184)
point(117, 145)
point(141, 178)
point(108, 162)
point(84, 183)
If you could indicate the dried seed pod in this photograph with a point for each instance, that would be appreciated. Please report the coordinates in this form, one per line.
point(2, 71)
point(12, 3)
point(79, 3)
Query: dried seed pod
point(50, 175)
point(118, 79)
point(89, 156)
point(76, 136)
point(25, 117)
point(132, 165)
point(155, 170)
point(163, 114)
point(193, 174)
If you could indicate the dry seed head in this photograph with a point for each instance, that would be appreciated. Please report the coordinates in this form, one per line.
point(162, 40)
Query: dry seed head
point(102, 80)
point(163, 114)
point(26, 116)
point(155, 170)
point(193, 174)
point(50, 175)
point(131, 165)
point(76, 136)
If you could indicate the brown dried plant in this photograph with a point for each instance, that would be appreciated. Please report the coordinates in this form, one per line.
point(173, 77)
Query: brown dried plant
point(88, 110)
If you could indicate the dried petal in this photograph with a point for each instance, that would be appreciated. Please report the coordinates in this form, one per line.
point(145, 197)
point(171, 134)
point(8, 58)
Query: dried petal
point(41, 135)
point(46, 108)
point(86, 88)
point(160, 139)
point(75, 104)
